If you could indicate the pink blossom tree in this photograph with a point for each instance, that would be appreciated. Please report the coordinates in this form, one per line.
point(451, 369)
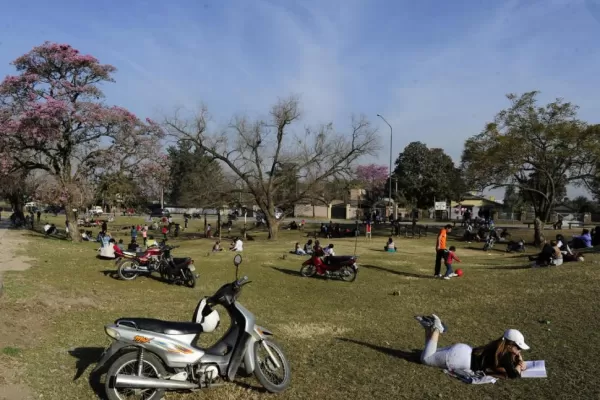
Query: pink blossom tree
point(372, 178)
point(52, 119)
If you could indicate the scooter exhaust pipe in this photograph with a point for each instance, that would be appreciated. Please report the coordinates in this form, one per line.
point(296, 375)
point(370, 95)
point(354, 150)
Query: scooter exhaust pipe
point(140, 382)
point(136, 270)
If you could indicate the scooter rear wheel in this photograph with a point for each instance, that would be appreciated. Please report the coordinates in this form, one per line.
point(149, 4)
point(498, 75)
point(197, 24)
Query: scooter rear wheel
point(348, 274)
point(127, 364)
point(126, 275)
point(308, 270)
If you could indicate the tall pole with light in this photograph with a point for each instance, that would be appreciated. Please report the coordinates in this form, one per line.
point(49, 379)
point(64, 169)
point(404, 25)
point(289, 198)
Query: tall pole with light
point(391, 138)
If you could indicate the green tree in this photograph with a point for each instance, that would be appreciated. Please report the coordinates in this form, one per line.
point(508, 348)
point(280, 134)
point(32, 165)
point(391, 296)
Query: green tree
point(537, 149)
point(582, 204)
point(196, 180)
point(425, 175)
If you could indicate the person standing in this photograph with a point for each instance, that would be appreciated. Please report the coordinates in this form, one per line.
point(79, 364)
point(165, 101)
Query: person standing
point(441, 251)
point(104, 226)
point(368, 230)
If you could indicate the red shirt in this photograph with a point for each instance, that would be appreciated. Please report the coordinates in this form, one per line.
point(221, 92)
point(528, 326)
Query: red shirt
point(452, 256)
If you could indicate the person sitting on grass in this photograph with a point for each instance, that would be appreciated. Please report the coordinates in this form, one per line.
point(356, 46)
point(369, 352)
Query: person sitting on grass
point(237, 245)
point(308, 247)
point(151, 241)
point(582, 241)
point(217, 246)
point(500, 358)
point(544, 258)
point(449, 261)
point(329, 250)
point(49, 229)
point(298, 250)
point(568, 254)
point(390, 245)
point(133, 246)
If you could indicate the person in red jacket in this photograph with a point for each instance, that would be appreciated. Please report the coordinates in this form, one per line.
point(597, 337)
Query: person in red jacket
point(449, 260)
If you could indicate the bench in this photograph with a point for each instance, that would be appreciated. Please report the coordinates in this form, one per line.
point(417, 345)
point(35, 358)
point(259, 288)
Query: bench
point(546, 225)
point(419, 231)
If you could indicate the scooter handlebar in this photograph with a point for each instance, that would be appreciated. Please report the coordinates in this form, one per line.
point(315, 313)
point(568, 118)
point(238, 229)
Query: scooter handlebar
point(242, 281)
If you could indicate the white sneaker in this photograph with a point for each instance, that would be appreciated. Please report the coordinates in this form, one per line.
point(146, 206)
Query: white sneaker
point(453, 275)
point(447, 278)
point(438, 324)
point(437, 276)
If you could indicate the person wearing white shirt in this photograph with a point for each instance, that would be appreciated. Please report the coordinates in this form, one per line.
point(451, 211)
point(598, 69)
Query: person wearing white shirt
point(237, 245)
point(329, 250)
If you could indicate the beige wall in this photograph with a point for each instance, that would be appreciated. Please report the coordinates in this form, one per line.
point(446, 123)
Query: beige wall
point(306, 210)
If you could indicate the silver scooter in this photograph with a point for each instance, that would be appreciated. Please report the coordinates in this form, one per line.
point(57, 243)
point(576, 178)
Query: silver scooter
point(150, 356)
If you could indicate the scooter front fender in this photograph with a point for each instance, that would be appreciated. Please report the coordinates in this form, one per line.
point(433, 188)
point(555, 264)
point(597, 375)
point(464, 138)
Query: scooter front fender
point(257, 335)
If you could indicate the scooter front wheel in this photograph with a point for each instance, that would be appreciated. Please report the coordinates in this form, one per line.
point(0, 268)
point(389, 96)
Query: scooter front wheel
point(308, 270)
point(272, 367)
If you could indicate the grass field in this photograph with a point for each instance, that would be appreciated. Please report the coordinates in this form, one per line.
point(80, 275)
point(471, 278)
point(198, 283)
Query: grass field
point(344, 340)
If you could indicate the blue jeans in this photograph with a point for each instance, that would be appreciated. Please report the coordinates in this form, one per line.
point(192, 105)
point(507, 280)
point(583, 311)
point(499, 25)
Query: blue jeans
point(449, 269)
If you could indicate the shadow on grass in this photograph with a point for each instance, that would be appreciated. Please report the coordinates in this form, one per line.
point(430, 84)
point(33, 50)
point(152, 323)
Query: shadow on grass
point(481, 249)
point(411, 356)
point(287, 271)
point(401, 273)
point(38, 235)
point(507, 267)
point(86, 356)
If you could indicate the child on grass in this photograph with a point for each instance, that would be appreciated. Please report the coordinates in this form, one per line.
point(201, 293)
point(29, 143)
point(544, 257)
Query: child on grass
point(449, 260)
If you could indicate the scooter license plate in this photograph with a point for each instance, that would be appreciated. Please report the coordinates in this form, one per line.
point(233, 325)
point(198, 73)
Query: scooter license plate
point(191, 267)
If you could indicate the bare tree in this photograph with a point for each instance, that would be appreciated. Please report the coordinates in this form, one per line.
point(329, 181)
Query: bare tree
point(263, 154)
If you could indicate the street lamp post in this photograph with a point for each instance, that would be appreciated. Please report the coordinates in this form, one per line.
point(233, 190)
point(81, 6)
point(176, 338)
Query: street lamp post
point(391, 138)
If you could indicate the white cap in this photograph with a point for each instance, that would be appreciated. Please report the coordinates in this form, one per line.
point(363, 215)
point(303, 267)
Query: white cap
point(515, 336)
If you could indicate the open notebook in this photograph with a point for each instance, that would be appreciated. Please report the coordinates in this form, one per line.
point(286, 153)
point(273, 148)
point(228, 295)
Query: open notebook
point(535, 369)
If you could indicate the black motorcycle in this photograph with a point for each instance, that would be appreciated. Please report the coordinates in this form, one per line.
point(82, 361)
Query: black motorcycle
point(180, 271)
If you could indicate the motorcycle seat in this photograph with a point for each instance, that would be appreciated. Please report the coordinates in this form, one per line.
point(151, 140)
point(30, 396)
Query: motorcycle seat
point(338, 259)
point(180, 262)
point(160, 326)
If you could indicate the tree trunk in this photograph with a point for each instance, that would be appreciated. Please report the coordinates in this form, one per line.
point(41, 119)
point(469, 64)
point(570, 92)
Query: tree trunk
point(72, 218)
point(538, 235)
point(219, 223)
point(272, 226)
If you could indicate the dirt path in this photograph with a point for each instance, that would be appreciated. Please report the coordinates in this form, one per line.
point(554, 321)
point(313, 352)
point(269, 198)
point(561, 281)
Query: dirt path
point(10, 242)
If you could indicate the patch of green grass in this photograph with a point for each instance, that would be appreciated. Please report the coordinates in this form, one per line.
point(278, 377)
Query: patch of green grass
point(344, 340)
point(10, 351)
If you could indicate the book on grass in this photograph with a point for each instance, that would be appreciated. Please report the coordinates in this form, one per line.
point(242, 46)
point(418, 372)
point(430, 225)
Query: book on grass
point(535, 369)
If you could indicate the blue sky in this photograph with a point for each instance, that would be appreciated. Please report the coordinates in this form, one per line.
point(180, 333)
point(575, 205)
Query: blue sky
point(437, 70)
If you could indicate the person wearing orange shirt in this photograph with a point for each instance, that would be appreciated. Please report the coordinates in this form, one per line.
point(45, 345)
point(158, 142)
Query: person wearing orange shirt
point(441, 250)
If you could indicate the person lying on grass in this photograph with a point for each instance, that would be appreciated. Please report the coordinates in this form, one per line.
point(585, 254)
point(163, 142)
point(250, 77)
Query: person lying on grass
point(568, 254)
point(390, 245)
point(500, 358)
point(299, 250)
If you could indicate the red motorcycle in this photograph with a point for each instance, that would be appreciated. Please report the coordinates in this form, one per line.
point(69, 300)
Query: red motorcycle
point(339, 267)
point(130, 264)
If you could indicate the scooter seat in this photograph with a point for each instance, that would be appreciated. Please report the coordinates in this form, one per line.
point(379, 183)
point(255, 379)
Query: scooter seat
point(160, 326)
point(338, 259)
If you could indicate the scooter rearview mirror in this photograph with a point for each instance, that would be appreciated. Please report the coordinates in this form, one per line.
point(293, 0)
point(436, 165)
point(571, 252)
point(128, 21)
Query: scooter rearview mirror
point(237, 260)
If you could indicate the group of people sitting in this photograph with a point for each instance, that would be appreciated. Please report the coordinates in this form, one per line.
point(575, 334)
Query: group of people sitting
point(310, 249)
point(236, 245)
point(556, 252)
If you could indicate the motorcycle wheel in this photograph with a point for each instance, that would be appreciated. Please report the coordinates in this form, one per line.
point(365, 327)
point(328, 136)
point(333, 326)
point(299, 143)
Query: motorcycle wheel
point(128, 276)
point(127, 364)
point(348, 274)
point(190, 278)
point(274, 379)
point(308, 270)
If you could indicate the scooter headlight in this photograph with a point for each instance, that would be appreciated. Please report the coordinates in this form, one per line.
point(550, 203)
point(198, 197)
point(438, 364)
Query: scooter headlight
point(112, 333)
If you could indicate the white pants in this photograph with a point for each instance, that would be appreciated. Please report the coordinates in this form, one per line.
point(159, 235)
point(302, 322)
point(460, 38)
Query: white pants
point(455, 357)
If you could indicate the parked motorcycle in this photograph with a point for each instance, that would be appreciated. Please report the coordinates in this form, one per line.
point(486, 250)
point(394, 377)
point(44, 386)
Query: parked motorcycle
point(339, 267)
point(177, 270)
point(131, 264)
point(150, 356)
